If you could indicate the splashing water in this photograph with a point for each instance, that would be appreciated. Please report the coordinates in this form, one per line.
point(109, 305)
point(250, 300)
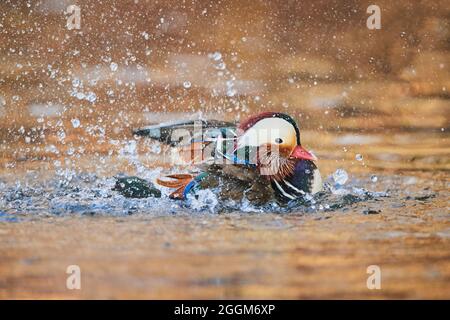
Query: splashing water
point(113, 66)
point(340, 176)
point(70, 192)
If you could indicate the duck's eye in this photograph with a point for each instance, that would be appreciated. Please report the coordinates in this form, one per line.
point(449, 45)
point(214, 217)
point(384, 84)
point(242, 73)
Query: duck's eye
point(279, 140)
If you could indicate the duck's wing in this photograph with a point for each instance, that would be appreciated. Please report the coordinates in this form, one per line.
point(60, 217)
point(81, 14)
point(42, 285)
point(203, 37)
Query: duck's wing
point(178, 133)
point(195, 141)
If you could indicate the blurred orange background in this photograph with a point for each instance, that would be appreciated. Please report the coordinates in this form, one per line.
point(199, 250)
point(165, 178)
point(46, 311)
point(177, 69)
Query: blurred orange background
point(138, 62)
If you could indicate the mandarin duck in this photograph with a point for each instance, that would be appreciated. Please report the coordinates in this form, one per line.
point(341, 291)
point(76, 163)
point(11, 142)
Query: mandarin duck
point(261, 159)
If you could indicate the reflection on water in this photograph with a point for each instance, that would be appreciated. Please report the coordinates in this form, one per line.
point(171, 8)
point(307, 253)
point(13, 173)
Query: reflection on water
point(375, 211)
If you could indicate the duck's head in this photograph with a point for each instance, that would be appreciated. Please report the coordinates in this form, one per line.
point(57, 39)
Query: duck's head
point(273, 131)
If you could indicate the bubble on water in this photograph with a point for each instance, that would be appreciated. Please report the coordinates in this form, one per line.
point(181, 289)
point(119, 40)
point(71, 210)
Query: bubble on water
point(359, 157)
point(374, 178)
point(113, 66)
point(75, 123)
point(27, 139)
point(187, 84)
point(340, 177)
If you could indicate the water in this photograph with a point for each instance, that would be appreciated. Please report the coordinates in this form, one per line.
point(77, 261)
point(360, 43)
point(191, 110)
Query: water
point(69, 192)
point(113, 66)
point(203, 247)
point(340, 177)
point(75, 123)
point(74, 186)
point(187, 84)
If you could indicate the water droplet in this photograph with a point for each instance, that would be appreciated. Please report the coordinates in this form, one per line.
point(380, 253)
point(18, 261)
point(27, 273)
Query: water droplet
point(80, 95)
point(231, 92)
point(359, 157)
point(113, 66)
point(374, 178)
point(91, 97)
point(221, 66)
point(76, 83)
point(61, 135)
point(217, 56)
point(70, 151)
point(75, 123)
point(187, 84)
point(340, 176)
point(155, 148)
